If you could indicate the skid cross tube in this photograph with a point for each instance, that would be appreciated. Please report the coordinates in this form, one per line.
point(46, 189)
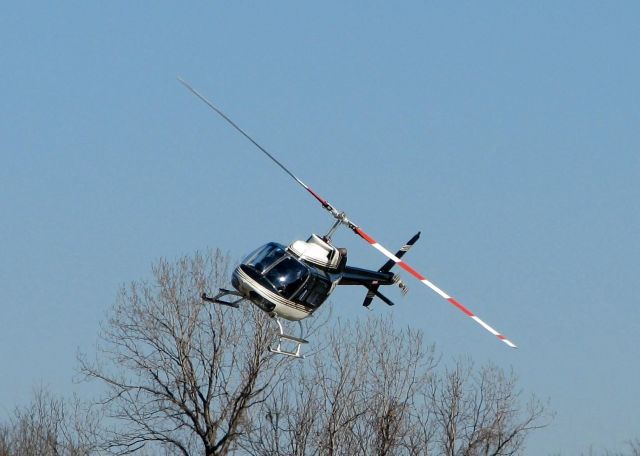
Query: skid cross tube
point(297, 341)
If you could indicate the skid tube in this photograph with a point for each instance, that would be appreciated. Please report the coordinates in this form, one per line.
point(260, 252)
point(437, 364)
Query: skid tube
point(282, 337)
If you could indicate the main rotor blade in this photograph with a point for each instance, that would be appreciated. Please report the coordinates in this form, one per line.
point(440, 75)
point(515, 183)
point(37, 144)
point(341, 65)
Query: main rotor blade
point(343, 219)
point(430, 284)
point(322, 201)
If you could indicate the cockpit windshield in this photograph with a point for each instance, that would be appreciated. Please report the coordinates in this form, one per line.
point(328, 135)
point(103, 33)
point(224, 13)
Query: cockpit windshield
point(284, 272)
point(264, 257)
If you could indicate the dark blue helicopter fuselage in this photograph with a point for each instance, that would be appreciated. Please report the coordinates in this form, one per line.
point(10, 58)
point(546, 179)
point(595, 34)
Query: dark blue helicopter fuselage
point(284, 284)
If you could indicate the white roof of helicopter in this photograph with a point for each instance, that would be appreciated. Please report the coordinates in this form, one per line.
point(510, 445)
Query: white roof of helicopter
point(315, 250)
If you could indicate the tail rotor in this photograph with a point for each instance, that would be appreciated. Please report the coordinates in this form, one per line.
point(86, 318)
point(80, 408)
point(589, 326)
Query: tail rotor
point(387, 267)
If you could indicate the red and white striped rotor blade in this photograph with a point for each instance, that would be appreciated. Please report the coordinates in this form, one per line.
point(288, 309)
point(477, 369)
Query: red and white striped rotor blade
point(431, 285)
point(343, 219)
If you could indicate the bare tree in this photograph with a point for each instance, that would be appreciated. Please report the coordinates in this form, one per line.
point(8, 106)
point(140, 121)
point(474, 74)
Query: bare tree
point(5, 440)
point(181, 375)
point(481, 413)
point(49, 426)
point(357, 396)
point(378, 390)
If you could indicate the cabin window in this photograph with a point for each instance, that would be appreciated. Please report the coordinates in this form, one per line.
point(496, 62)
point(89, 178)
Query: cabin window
point(287, 276)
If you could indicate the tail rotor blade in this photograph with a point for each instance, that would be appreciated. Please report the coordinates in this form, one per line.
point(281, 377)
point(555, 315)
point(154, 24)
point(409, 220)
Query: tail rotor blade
point(431, 285)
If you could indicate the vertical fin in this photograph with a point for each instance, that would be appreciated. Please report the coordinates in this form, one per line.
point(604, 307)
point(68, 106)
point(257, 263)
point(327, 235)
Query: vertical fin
point(373, 290)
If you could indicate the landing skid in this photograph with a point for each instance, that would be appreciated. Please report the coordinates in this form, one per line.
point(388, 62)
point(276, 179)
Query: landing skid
point(283, 339)
point(286, 338)
point(217, 299)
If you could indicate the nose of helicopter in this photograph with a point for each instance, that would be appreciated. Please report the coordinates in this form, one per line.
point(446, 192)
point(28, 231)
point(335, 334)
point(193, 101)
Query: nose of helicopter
point(247, 290)
point(239, 284)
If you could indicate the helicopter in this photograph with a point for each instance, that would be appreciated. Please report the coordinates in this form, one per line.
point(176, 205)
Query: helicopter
point(292, 282)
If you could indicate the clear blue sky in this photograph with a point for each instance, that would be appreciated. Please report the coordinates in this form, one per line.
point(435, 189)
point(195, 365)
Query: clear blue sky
point(506, 131)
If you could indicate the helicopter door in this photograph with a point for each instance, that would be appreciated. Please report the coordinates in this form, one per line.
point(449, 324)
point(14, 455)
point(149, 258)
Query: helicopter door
point(315, 291)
